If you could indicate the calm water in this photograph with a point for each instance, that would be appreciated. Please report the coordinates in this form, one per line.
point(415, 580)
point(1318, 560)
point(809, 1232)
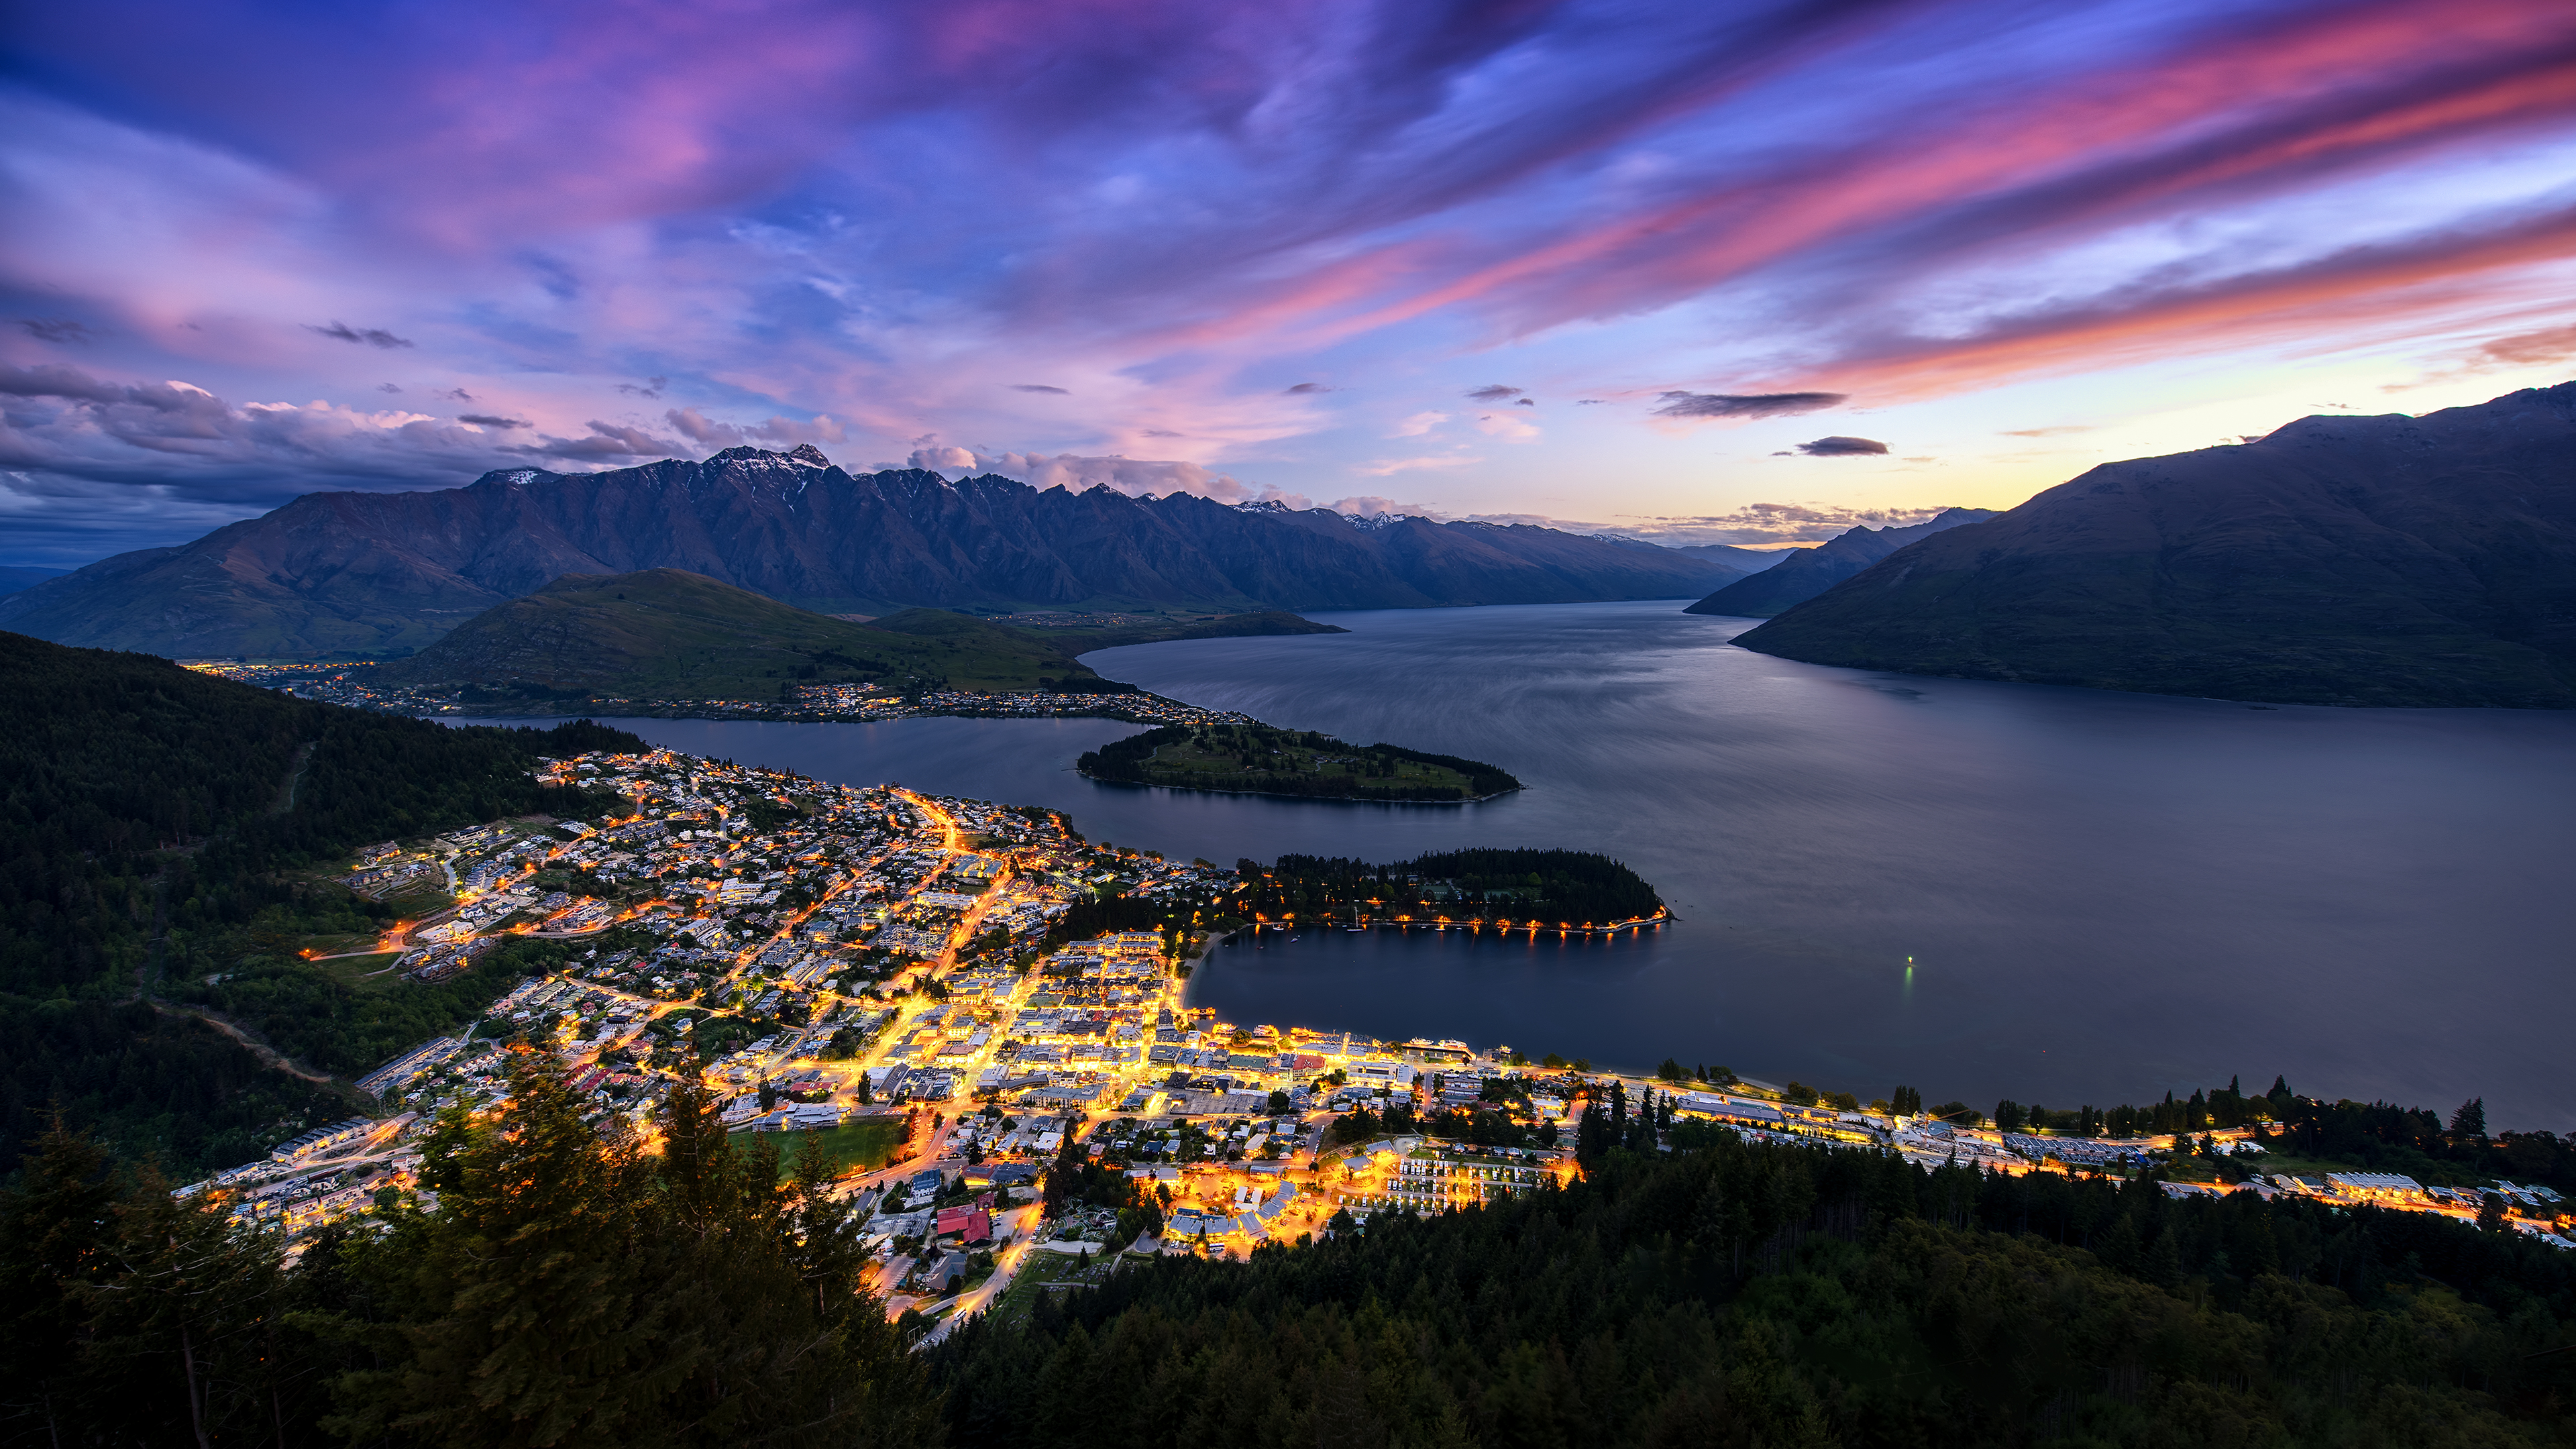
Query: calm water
point(2104, 896)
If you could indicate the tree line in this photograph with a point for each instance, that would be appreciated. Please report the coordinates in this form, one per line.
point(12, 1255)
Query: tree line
point(571, 1288)
point(1731, 1294)
point(1546, 885)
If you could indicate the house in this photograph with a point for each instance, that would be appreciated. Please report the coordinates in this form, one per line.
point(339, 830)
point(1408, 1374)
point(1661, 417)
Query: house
point(2376, 1186)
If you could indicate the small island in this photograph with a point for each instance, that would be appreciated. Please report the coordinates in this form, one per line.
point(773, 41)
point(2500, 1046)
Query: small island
point(1260, 759)
point(1558, 891)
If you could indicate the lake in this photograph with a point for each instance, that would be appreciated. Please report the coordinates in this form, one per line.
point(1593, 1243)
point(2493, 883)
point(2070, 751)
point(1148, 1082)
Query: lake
point(2102, 897)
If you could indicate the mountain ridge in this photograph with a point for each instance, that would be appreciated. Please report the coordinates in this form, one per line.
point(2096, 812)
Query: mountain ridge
point(355, 573)
point(2389, 560)
point(1801, 574)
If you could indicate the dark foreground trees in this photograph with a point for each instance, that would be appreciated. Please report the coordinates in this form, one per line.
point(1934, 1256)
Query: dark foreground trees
point(571, 1289)
point(577, 1287)
point(1732, 1295)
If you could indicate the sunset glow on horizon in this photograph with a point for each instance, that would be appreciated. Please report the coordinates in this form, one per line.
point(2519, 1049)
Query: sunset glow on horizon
point(1610, 266)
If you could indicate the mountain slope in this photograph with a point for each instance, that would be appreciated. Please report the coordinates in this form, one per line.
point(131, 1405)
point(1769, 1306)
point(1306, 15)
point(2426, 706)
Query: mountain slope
point(2341, 560)
point(14, 579)
point(1746, 560)
point(1803, 573)
point(669, 634)
point(143, 846)
point(385, 573)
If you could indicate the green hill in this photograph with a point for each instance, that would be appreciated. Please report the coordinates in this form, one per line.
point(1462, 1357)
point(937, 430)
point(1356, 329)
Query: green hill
point(670, 634)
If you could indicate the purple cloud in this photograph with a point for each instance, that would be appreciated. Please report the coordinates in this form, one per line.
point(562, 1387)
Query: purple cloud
point(370, 336)
point(1841, 447)
point(1745, 405)
point(1179, 205)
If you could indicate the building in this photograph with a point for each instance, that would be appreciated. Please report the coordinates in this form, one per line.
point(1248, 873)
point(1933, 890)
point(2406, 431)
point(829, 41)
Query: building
point(2376, 1186)
point(1436, 1178)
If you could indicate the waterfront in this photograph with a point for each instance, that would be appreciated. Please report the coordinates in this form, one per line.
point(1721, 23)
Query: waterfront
point(2105, 896)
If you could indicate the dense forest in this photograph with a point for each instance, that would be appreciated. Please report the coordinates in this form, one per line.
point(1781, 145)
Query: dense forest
point(1264, 760)
point(1546, 886)
point(1740, 1295)
point(576, 1288)
point(570, 1289)
point(160, 827)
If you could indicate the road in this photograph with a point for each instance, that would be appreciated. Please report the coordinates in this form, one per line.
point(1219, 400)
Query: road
point(1020, 1225)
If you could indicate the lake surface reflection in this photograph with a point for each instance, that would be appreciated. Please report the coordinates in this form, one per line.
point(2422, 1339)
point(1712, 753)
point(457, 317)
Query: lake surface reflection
point(2102, 896)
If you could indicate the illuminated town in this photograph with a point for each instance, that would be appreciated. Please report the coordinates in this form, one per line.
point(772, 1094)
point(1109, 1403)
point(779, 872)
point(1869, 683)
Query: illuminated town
point(896, 971)
point(348, 683)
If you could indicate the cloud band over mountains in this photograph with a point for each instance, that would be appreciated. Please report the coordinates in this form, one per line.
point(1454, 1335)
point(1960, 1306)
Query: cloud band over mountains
point(1178, 220)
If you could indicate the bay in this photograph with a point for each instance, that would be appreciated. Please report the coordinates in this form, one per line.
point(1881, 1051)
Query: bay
point(2102, 897)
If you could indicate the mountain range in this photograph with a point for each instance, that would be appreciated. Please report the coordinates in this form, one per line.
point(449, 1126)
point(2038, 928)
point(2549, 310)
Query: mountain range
point(1802, 573)
point(380, 574)
point(2388, 560)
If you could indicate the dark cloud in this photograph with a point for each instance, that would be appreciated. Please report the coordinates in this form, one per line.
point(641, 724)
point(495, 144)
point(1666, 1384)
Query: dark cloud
point(2062, 428)
point(1745, 404)
point(650, 387)
point(607, 441)
point(55, 329)
point(1040, 387)
point(1527, 402)
point(1493, 392)
point(52, 379)
point(1589, 402)
point(455, 394)
point(1161, 433)
point(371, 336)
point(1841, 447)
point(387, 387)
point(486, 420)
point(1306, 387)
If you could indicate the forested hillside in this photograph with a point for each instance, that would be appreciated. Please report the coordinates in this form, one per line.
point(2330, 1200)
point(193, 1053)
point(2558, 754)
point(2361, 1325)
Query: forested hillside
point(153, 823)
point(574, 1287)
point(570, 1290)
point(1744, 1296)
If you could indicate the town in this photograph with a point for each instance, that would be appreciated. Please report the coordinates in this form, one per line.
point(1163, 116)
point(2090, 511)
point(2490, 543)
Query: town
point(347, 683)
point(1020, 1093)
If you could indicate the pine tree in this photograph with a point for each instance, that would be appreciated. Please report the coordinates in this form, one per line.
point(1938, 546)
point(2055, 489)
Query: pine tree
point(187, 1306)
point(531, 1317)
point(57, 1238)
point(2469, 1124)
point(2164, 1261)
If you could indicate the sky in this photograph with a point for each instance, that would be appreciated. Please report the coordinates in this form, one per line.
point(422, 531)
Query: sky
point(1697, 272)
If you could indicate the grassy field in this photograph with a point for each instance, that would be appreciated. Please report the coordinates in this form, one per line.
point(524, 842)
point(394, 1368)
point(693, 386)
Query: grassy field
point(1038, 1270)
point(855, 1147)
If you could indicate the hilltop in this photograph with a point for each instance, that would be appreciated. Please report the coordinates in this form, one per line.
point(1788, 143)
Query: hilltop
point(367, 575)
point(671, 634)
point(2386, 560)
